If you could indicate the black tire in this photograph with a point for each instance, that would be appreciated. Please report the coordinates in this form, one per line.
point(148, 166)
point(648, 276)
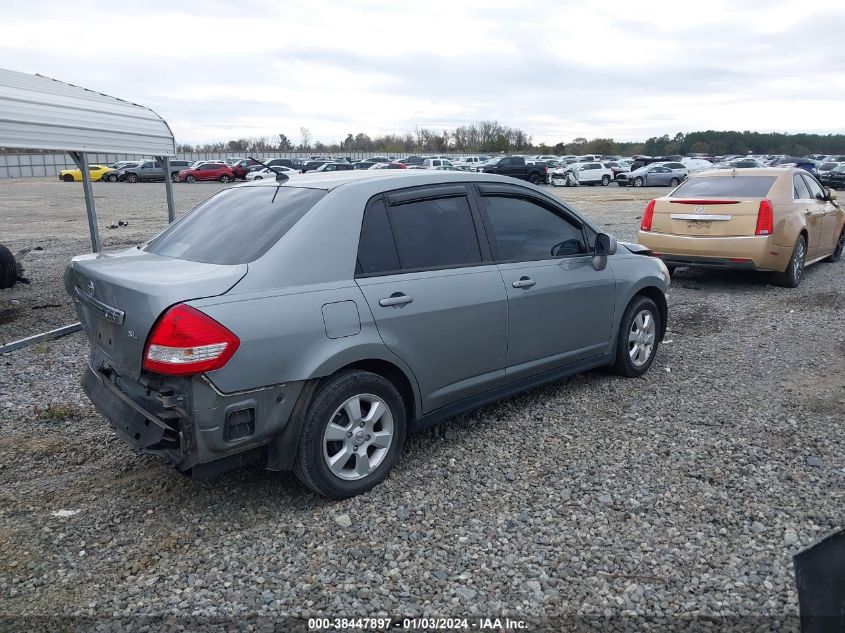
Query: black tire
point(674, 182)
point(791, 277)
point(190, 179)
point(112, 178)
point(534, 179)
point(836, 255)
point(624, 364)
point(310, 464)
point(621, 184)
point(131, 177)
point(638, 182)
point(605, 181)
point(224, 179)
point(259, 178)
point(174, 177)
point(68, 178)
point(8, 268)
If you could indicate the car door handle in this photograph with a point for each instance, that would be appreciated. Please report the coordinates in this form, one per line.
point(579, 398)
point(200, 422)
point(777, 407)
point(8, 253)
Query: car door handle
point(524, 282)
point(396, 299)
point(807, 212)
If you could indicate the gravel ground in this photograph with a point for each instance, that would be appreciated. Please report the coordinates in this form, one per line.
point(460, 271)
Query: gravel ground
point(681, 494)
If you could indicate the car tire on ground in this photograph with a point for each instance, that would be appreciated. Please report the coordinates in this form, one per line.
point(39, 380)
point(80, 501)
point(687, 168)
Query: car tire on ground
point(836, 255)
point(174, 177)
point(259, 178)
point(791, 277)
point(224, 179)
point(638, 339)
point(112, 178)
point(68, 178)
point(131, 177)
point(351, 436)
point(638, 182)
point(190, 179)
point(605, 181)
point(674, 182)
point(8, 268)
point(534, 179)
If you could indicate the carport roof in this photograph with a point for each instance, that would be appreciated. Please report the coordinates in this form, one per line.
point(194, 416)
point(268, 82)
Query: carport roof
point(38, 112)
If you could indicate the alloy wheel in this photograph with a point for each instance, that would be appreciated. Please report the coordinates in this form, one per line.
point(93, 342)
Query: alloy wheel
point(358, 437)
point(798, 260)
point(641, 338)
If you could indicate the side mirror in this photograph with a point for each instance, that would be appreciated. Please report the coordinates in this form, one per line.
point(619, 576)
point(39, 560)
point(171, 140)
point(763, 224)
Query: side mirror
point(605, 244)
point(831, 193)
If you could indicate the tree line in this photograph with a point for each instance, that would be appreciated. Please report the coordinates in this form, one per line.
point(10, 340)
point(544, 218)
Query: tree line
point(493, 137)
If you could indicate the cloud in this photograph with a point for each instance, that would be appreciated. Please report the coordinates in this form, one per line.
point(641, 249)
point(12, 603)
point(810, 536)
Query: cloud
point(556, 70)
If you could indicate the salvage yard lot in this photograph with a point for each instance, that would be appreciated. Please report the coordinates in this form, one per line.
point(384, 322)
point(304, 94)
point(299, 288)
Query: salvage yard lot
point(683, 492)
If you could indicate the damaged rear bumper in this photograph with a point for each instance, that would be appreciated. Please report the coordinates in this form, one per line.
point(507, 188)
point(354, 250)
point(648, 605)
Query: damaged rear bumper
point(193, 427)
point(137, 426)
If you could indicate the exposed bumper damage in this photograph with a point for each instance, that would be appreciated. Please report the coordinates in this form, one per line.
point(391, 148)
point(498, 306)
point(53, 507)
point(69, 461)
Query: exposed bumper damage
point(187, 422)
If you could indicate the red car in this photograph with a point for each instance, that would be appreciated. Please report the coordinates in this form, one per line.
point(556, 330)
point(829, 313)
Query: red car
point(208, 171)
point(242, 168)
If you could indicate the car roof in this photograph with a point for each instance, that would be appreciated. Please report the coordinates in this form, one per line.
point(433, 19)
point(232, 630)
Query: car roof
point(393, 179)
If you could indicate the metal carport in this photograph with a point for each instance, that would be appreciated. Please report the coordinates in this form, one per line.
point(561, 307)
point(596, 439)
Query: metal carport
point(38, 112)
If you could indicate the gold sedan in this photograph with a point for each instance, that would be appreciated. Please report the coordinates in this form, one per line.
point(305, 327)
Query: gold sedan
point(770, 219)
point(75, 175)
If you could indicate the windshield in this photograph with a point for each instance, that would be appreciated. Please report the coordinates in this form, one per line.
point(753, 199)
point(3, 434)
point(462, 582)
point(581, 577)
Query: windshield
point(236, 226)
point(827, 166)
point(721, 186)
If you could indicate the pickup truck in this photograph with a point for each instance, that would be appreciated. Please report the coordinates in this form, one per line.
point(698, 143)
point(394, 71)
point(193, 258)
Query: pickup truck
point(516, 167)
point(152, 170)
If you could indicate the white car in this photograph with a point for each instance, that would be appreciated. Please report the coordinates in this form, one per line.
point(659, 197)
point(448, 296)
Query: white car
point(694, 165)
point(470, 162)
point(261, 174)
point(437, 163)
point(590, 173)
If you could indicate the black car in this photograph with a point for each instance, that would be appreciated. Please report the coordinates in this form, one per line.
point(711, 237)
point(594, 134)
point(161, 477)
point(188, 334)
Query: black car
point(273, 162)
point(834, 179)
point(411, 160)
point(311, 165)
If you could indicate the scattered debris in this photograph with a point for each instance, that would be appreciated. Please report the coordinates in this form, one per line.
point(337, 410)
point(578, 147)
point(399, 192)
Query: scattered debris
point(65, 513)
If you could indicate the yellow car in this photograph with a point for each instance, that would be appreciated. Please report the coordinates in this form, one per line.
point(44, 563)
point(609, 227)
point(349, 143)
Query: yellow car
point(773, 219)
point(75, 175)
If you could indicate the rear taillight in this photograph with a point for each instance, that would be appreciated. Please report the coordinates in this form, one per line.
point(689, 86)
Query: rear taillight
point(648, 215)
point(186, 341)
point(765, 218)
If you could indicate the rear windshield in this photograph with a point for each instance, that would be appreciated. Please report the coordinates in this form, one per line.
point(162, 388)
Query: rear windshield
point(719, 186)
point(236, 226)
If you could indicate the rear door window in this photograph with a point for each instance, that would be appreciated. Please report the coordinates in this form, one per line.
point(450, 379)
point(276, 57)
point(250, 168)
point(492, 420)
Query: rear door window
point(236, 226)
point(725, 186)
point(434, 233)
point(799, 188)
point(814, 187)
point(377, 249)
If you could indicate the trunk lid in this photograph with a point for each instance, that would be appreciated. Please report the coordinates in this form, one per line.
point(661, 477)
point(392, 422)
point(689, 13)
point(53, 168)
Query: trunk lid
point(716, 217)
point(119, 296)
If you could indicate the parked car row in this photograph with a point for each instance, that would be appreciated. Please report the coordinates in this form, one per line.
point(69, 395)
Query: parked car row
point(559, 170)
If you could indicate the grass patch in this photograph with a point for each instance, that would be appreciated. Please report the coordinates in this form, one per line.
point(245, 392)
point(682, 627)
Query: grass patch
point(57, 412)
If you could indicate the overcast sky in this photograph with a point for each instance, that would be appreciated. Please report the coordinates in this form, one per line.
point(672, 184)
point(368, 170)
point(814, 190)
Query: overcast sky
point(217, 70)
